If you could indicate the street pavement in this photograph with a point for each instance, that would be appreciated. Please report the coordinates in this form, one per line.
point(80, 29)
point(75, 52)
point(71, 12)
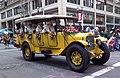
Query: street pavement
point(12, 65)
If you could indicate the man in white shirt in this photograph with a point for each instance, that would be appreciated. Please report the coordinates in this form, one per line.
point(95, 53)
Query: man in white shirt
point(29, 27)
point(21, 29)
point(39, 27)
point(48, 28)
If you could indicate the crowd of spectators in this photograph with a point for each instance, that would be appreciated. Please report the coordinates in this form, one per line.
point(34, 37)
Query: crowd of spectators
point(113, 36)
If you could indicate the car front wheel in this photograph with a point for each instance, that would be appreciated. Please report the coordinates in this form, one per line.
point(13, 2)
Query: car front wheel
point(78, 58)
point(103, 57)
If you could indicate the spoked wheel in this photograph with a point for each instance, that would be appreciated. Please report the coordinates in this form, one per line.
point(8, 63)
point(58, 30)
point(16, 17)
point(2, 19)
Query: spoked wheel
point(27, 54)
point(103, 57)
point(77, 58)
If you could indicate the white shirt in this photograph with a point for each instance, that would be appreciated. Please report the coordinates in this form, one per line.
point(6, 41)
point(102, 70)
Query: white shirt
point(39, 28)
point(47, 29)
point(30, 29)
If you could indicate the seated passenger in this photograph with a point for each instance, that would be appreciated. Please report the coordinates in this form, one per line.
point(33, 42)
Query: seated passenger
point(21, 29)
point(48, 28)
point(39, 27)
point(30, 28)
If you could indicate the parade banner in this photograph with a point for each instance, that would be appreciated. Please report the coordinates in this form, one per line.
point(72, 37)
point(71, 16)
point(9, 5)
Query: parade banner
point(79, 17)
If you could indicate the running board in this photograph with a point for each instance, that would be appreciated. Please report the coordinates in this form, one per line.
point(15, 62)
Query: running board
point(46, 52)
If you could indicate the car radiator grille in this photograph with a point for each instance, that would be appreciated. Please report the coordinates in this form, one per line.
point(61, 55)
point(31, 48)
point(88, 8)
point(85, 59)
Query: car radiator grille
point(90, 40)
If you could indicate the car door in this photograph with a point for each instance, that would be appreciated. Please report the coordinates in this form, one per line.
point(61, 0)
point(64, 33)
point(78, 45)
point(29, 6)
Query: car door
point(52, 39)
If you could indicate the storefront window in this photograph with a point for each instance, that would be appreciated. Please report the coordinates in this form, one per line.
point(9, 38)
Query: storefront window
point(117, 10)
point(74, 1)
point(88, 18)
point(2, 4)
point(99, 5)
point(17, 10)
point(100, 19)
point(88, 3)
point(109, 19)
point(109, 27)
point(10, 25)
point(21, 9)
point(3, 24)
point(48, 2)
point(117, 20)
point(9, 13)
point(25, 8)
point(37, 3)
point(109, 8)
point(3, 15)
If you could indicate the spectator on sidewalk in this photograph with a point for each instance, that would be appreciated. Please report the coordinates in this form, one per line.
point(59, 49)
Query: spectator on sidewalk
point(6, 39)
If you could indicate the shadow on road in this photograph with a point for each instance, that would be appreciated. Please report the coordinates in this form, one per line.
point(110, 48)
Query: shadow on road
point(55, 61)
point(60, 62)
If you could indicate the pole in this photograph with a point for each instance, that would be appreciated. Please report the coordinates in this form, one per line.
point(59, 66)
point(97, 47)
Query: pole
point(82, 4)
point(42, 9)
point(5, 7)
point(29, 9)
point(82, 18)
point(95, 12)
point(22, 11)
point(114, 2)
point(105, 17)
point(7, 25)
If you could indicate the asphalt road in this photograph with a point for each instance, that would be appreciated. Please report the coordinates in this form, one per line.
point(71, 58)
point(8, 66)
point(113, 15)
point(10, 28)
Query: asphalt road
point(12, 65)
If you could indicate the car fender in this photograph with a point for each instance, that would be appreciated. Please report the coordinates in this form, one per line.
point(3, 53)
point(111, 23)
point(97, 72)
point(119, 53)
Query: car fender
point(84, 43)
point(80, 42)
point(102, 39)
point(28, 42)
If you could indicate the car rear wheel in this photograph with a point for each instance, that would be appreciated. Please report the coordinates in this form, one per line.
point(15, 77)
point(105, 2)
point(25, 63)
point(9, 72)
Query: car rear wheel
point(27, 53)
point(78, 58)
point(103, 57)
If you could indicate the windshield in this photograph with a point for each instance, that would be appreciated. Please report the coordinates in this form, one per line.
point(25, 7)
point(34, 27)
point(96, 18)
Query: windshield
point(71, 22)
point(67, 23)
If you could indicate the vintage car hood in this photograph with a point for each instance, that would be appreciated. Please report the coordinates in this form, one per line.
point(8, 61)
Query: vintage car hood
point(83, 34)
point(102, 39)
point(79, 36)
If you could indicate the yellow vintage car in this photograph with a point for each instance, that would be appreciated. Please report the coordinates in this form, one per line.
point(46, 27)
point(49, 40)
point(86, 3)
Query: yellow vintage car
point(66, 40)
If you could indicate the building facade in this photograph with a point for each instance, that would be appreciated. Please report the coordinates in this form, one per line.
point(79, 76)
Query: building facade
point(95, 12)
